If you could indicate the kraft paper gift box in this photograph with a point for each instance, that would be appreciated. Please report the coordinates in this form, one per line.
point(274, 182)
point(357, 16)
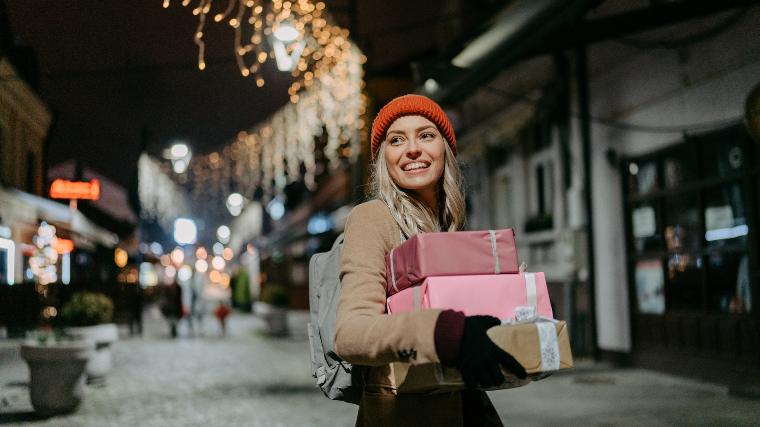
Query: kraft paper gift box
point(542, 347)
point(450, 254)
point(498, 295)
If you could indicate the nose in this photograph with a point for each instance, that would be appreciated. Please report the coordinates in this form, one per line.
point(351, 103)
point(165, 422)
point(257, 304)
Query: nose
point(413, 150)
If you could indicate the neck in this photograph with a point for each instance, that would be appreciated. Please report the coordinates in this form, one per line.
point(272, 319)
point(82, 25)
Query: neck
point(429, 198)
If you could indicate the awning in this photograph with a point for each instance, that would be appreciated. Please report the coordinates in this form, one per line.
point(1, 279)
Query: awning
point(521, 27)
point(21, 207)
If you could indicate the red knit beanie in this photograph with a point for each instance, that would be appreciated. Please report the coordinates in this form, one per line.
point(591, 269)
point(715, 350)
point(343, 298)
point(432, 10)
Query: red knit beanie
point(411, 105)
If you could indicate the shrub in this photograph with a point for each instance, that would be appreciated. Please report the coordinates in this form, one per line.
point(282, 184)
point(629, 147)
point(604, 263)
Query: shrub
point(275, 294)
point(87, 309)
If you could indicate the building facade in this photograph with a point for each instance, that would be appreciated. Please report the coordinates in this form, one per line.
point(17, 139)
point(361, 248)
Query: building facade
point(626, 169)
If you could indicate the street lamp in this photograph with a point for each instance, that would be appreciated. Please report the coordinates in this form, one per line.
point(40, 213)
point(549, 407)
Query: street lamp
point(223, 234)
point(286, 32)
point(180, 156)
point(235, 203)
point(284, 36)
point(185, 231)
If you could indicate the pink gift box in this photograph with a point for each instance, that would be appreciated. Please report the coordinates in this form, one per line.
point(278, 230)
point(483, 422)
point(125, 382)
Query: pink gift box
point(495, 295)
point(458, 253)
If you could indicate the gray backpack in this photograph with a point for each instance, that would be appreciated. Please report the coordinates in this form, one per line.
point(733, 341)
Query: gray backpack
point(338, 379)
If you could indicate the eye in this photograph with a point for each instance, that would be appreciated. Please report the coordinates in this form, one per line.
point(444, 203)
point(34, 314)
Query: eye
point(427, 135)
point(395, 140)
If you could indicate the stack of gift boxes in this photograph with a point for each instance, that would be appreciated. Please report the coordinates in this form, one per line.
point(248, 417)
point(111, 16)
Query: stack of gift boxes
point(476, 272)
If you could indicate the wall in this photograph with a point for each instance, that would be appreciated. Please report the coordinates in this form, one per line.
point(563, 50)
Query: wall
point(24, 124)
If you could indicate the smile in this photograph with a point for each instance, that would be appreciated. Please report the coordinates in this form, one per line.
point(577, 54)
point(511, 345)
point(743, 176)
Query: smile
point(415, 166)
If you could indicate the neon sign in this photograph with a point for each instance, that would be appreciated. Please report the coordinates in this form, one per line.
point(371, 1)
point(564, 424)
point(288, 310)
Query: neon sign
point(64, 189)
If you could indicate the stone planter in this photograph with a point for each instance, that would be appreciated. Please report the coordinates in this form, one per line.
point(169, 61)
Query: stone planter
point(102, 336)
point(57, 375)
point(275, 318)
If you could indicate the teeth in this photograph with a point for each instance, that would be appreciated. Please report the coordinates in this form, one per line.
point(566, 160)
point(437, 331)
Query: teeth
point(415, 165)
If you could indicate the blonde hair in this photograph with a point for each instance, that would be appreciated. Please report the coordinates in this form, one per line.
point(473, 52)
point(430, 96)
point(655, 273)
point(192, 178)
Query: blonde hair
point(410, 213)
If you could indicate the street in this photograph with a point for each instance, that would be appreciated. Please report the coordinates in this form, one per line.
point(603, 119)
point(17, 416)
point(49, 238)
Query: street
point(248, 379)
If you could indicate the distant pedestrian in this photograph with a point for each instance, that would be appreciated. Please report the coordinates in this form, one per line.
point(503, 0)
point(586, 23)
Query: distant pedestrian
point(171, 306)
point(195, 314)
point(417, 187)
point(135, 309)
point(221, 312)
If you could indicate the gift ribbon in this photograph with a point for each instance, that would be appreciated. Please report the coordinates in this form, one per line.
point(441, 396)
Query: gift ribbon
point(494, 252)
point(393, 272)
point(530, 289)
point(547, 336)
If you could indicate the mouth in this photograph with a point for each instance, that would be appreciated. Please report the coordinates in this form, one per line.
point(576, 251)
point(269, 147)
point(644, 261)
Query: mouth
point(415, 166)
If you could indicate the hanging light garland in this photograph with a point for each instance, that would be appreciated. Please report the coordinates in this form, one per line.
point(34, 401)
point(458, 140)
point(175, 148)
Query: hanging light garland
point(283, 148)
point(295, 33)
point(329, 117)
point(161, 198)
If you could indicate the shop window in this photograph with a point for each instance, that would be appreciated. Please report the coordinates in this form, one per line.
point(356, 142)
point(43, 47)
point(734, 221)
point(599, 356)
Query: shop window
point(725, 221)
point(684, 282)
point(682, 223)
point(728, 283)
point(689, 227)
point(650, 286)
point(3, 267)
point(502, 202)
point(722, 158)
point(679, 167)
point(642, 177)
point(645, 227)
point(543, 197)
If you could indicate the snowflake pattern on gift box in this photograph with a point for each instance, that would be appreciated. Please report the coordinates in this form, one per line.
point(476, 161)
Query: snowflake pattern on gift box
point(547, 334)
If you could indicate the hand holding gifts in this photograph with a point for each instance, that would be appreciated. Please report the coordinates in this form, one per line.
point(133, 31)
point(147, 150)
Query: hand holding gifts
point(477, 273)
point(541, 346)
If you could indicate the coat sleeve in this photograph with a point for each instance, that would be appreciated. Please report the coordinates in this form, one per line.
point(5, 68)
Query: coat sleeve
point(365, 334)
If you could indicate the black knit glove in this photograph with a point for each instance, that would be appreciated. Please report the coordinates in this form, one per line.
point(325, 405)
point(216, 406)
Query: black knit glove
point(480, 358)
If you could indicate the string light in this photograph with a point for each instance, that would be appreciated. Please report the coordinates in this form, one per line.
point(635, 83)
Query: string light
point(282, 149)
point(327, 107)
point(43, 261)
point(323, 44)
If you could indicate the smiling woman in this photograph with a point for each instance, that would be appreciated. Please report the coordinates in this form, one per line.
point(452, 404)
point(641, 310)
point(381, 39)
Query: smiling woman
point(416, 183)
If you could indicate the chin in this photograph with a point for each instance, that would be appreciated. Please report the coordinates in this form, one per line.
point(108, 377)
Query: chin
point(417, 186)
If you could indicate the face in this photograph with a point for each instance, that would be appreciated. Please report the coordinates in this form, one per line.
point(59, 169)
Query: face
point(415, 154)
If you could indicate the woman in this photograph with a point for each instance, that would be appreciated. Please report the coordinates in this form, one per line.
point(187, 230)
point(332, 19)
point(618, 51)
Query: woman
point(416, 184)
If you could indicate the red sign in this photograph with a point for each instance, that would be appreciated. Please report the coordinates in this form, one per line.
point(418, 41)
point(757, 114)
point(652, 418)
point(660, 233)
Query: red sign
point(63, 189)
point(63, 246)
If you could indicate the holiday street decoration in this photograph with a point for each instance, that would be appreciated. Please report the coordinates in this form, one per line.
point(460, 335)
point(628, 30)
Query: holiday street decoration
point(276, 152)
point(325, 121)
point(43, 260)
point(295, 33)
point(272, 154)
point(161, 199)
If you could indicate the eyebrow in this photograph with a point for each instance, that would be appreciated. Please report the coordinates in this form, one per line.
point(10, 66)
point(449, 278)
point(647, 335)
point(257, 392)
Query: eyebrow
point(417, 130)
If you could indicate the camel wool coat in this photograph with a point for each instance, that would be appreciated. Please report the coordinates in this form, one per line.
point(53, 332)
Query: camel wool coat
point(366, 335)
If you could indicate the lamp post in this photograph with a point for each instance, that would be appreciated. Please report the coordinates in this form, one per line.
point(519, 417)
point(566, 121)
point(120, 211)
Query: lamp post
point(752, 113)
point(180, 155)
